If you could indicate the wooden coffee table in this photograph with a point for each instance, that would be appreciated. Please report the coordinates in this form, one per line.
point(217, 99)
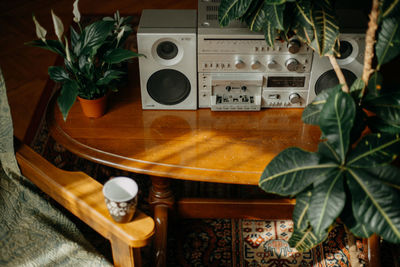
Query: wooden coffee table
point(200, 145)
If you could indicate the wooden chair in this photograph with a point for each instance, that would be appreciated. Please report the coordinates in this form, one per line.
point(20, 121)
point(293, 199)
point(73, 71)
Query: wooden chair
point(77, 192)
point(82, 196)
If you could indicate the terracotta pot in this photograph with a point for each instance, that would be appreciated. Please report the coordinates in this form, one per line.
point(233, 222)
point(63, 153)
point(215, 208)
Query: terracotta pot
point(93, 108)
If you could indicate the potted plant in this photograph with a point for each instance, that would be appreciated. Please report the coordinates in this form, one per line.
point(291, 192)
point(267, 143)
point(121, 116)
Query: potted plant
point(351, 176)
point(92, 60)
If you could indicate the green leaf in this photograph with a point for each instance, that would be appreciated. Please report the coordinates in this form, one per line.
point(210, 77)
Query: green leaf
point(377, 124)
point(327, 202)
point(356, 88)
point(109, 76)
point(58, 74)
point(347, 217)
point(300, 210)
point(51, 45)
point(74, 37)
point(374, 150)
point(390, 8)
point(359, 125)
point(256, 20)
point(118, 55)
point(92, 37)
point(275, 2)
point(385, 106)
point(232, 9)
point(312, 112)
point(303, 22)
point(388, 42)
point(388, 174)
point(336, 120)
point(292, 171)
point(304, 240)
point(270, 34)
point(327, 153)
point(274, 14)
point(374, 88)
point(67, 97)
point(326, 30)
point(375, 204)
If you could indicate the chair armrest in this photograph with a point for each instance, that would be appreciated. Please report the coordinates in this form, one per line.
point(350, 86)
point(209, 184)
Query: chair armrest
point(82, 196)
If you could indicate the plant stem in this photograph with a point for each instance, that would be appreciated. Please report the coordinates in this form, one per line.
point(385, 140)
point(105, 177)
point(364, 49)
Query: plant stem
point(354, 262)
point(339, 73)
point(369, 43)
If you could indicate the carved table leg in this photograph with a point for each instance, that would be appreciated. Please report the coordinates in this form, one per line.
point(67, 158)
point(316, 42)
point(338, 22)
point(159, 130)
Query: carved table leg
point(162, 199)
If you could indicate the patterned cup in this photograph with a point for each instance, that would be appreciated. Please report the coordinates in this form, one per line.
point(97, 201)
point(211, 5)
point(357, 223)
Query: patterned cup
point(120, 194)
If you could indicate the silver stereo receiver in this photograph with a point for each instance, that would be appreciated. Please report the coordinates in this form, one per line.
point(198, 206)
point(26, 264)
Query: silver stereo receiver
point(238, 71)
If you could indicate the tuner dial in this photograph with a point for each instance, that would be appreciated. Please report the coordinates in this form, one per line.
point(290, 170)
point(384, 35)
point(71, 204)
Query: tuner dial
point(239, 64)
point(294, 46)
point(255, 64)
point(294, 98)
point(292, 64)
point(272, 64)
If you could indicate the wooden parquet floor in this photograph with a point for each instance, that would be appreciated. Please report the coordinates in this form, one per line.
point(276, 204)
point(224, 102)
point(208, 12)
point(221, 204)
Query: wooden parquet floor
point(25, 68)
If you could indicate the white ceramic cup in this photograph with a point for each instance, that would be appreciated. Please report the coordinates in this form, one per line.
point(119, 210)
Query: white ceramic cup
point(120, 194)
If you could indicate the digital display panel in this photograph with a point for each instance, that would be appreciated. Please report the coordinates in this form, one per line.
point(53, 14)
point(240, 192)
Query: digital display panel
point(274, 81)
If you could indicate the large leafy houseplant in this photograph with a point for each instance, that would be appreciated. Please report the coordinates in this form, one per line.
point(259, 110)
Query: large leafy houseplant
point(92, 57)
point(351, 176)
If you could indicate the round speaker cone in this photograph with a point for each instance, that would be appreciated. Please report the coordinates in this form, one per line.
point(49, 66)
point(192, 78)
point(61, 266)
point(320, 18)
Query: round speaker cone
point(345, 50)
point(329, 79)
point(167, 50)
point(168, 87)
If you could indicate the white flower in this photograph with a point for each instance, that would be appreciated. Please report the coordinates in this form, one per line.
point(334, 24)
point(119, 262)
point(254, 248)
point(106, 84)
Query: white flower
point(123, 204)
point(58, 25)
point(120, 34)
point(77, 15)
point(67, 49)
point(40, 31)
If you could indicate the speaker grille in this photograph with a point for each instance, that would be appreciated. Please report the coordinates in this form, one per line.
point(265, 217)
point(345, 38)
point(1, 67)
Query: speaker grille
point(168, 87)
point(329, 79)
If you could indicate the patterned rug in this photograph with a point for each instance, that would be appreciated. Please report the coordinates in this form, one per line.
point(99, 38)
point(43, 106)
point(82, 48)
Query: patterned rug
point(252, 243)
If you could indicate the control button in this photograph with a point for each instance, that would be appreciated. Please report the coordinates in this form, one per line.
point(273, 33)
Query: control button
point(244, 88)
point(294, 98)
point(255, 64)
point(294, 46)
point(292, 64)
point(228, 88)
point(272, 64)
point(239, 64)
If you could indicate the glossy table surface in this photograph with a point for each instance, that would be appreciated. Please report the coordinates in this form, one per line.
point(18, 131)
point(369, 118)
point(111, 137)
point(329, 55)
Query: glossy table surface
point(199, 145)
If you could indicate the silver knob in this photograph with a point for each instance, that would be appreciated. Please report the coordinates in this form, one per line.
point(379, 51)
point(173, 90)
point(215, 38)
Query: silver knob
point(292, 64)
point(239, 64)
point(272, 64)
point(294, 98)
point(255, 64)
point(294, 46)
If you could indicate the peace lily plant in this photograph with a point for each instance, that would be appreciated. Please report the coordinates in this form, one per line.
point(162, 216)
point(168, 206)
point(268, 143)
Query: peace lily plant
point(92, 56)
point(351, 176)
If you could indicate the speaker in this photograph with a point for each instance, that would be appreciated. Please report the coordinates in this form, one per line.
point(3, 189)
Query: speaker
point(351, 61)
point(168, 71)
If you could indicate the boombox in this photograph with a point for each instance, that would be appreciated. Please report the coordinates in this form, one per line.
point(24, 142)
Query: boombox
point(191, 62)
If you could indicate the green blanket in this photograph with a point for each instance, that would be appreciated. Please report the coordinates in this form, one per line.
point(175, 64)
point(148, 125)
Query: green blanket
point(34, 230)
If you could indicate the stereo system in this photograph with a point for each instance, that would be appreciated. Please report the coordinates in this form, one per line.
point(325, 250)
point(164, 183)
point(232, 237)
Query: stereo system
point(194, 63)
